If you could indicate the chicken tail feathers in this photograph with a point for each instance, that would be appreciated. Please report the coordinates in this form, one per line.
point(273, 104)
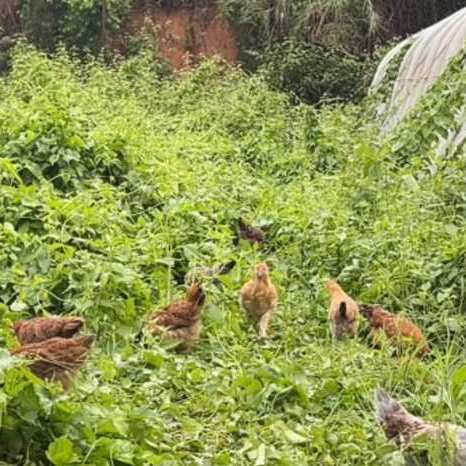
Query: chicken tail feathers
point(242, 224)
point(73, 326)
point(385, 406)
point(226, 268)
point(342, 310)
point(196, 294)
point(398, 424)
point(366, 311)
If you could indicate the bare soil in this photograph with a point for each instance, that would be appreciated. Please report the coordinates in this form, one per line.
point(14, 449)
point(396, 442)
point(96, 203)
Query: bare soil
point(183, 35)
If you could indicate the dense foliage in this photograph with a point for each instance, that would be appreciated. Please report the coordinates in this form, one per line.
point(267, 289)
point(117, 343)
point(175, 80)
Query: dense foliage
point(114, 183)
point(313, 73)
point(352, 25)
point(79, 24)
point(348, 24)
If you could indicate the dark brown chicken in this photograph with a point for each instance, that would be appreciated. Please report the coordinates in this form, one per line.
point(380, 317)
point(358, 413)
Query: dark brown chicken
point(259, 298)
point(214, 272)
point(402, 427)
point(221, 269)
point(343, 312)
point(181, 320)
point(249, 233)
point(399, 329)
point(40, 329)
point(57, 359)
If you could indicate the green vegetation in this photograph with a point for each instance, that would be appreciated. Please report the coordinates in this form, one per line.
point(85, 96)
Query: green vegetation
point(348, 24)
point(78, 24)
point(329, 74)
point(115, 182)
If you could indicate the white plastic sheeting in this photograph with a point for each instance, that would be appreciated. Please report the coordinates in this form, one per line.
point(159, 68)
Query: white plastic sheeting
point(427, 57)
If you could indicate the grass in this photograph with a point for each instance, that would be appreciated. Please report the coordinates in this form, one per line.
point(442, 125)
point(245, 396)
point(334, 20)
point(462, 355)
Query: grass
point(115, 183)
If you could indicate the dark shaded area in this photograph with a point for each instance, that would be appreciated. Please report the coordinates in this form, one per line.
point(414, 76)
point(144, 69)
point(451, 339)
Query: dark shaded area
point(402, 17)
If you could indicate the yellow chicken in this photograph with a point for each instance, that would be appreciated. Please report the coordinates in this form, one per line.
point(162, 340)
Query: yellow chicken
point(259, 298)
point(343, 312)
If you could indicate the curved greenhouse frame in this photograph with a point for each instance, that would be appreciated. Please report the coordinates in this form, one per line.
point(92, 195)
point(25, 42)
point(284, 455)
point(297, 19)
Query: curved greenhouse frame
point(427, 57)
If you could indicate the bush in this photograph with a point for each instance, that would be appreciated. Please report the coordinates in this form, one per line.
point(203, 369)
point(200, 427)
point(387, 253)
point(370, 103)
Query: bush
point(313, 73)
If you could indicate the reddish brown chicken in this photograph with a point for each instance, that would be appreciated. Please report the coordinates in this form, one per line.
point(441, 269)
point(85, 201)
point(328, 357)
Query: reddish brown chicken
point(181, 320)
point(259, 298)
point(343, 312)
point(399, 329)
point(40, 329)
point(57, 359)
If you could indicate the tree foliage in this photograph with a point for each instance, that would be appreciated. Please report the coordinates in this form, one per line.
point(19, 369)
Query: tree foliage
point(77, 24)
point(347, 24)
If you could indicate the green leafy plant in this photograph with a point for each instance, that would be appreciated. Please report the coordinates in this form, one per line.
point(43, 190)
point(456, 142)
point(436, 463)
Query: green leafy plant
point(76, 24)
point(313, 73)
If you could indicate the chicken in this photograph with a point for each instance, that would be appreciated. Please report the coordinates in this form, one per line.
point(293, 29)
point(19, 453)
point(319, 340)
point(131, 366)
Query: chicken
point(221, 269)
point(57, 359)
point(397, 328)
point(214, 272)
point(249, 233)
point(181, 320)
point(40, 329)
point(402, 427)
point(343, 312)
point(259, 298)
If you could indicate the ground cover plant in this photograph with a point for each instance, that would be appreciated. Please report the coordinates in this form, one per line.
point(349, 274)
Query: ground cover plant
point(115, 183)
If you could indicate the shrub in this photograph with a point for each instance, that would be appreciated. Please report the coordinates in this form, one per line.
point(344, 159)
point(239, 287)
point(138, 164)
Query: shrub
point(313, 73)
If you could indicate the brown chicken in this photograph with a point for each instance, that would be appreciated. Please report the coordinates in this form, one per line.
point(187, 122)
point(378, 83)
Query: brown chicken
point(181, 320)
point(402, 427)
point(57, 359)
point(249, 233)
point(259, 298)
point(40, 329)
point(343, 312)
point(397, 328)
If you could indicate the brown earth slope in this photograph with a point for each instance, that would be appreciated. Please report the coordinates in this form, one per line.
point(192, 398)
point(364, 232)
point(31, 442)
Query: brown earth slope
point(184, 35)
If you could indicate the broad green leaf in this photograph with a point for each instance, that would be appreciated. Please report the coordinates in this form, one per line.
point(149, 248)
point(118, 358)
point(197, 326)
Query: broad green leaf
point(458, 377)
point(294, 437)
point(61, 452)
point(261, 455)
